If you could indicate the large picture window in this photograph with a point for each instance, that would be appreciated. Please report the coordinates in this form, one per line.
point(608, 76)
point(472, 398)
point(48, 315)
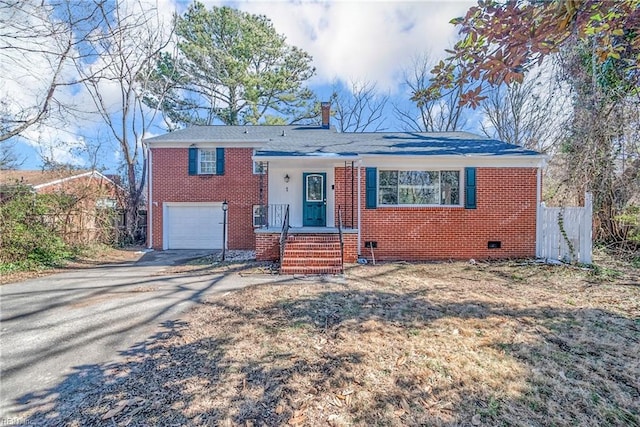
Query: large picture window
point(418, 187)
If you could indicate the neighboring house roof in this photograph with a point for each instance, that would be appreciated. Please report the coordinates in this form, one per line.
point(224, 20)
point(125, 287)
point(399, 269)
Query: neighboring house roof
point(39, 179)
point(313, 141)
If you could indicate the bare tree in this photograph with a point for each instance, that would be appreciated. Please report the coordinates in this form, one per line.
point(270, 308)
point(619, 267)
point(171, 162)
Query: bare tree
point(359, 108)
point(528, 114)
point(599, 150)
point(129, 46)
point(39, 41)
point(8, 157)
point(439, 111)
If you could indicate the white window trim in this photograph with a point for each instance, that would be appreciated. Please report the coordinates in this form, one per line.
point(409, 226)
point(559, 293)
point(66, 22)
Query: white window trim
point(215, 160)
point(460, 188)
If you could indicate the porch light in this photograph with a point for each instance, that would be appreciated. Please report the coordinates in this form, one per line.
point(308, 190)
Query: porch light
point(286, 178)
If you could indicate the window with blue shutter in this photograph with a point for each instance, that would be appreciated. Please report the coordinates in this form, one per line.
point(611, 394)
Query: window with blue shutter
point(470, 188)
point(206, 162)
point(371, 177)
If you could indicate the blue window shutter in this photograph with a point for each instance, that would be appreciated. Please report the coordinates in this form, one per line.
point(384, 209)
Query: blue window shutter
point(470, 188)
point(219, 161)
point(193, 161)
point(371, 187)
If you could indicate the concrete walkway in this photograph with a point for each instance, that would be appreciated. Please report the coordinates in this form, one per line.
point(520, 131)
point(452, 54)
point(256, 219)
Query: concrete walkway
point(52, 324)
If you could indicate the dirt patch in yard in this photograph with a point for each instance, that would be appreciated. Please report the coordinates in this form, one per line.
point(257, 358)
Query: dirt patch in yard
point(508, 343)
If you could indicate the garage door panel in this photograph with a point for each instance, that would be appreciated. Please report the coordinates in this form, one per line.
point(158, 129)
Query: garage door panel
point(194, 226)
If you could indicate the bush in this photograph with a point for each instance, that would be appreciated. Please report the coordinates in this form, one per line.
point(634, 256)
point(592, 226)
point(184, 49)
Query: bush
point(630, 224)
point(29, 238)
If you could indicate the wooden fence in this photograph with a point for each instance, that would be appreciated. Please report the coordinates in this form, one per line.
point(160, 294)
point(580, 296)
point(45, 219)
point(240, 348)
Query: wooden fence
point(565, 234)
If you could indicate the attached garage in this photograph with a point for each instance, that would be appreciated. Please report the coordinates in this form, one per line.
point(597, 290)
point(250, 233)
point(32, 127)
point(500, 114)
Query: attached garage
point(192, 225)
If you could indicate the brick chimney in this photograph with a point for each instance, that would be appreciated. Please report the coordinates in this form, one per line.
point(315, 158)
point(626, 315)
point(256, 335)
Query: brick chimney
point(326, 114)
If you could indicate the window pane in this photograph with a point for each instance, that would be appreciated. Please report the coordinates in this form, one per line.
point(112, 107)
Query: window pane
point(418, 195)
point(420, 178)
point(388, 188)
point(388, 196)
point(314, 188)
point(259, 215)
point(388, 178)
point(207, 161)
point(450, 188)
point(419, 187)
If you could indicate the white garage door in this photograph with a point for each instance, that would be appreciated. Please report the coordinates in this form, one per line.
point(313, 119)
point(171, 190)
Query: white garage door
point(193, 226)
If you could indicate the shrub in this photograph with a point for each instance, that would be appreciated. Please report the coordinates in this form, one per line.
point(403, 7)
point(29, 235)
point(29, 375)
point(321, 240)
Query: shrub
point(630, 224)
point(28, 229)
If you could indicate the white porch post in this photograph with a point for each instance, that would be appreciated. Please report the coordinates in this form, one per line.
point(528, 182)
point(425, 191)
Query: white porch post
point(539, 208)
point(359, 209)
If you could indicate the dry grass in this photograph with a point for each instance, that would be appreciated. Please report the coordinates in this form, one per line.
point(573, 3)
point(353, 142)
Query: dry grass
point(393, 344)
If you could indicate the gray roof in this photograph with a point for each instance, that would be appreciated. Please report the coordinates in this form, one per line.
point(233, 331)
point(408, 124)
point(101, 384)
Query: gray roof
point(315, 141)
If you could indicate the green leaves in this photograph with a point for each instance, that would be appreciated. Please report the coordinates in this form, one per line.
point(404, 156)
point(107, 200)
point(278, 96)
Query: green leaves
point(500, 40)
point(233, 67)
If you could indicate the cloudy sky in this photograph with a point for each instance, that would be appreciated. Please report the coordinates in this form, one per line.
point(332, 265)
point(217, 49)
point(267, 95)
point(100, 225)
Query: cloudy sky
point(349, 41)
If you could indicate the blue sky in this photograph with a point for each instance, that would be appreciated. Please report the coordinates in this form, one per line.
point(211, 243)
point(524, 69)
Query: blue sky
point(349, 41)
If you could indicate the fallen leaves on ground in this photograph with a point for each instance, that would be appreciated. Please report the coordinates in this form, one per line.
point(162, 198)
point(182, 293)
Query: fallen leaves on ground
point(395, 344)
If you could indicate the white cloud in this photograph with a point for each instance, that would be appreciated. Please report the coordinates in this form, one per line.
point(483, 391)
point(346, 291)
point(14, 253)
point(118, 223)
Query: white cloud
point(354, 40)
point(361, 40)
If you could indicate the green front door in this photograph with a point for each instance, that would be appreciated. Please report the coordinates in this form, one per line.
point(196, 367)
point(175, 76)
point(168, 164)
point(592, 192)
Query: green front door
point(314, 199)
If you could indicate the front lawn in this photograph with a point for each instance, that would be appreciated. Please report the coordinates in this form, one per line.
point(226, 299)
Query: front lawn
point(508, 343)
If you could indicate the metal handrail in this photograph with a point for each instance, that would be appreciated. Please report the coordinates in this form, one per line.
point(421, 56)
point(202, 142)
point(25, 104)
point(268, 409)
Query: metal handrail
point(341, 239)
point(284, 233)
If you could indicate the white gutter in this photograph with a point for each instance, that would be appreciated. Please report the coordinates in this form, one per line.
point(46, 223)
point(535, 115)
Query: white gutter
point(359, 208)
point(150, 198)
point(61, 180)
point(330, 157)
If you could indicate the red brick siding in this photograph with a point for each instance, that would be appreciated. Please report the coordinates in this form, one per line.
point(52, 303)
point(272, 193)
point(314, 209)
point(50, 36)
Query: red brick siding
point(345, 179)
point(267, 246)
point(350, 247)
point(171, 182)
point(506, 212)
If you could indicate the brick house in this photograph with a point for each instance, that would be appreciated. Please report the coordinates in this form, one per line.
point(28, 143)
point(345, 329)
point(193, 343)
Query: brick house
point(392, 196)
point(93, 199)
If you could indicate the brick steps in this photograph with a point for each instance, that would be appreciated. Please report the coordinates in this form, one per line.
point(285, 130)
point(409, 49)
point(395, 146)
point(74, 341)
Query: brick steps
point(311, 270)
point(312, 254)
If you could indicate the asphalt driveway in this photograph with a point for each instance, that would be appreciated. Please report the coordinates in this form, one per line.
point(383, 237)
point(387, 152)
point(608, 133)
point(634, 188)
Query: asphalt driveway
point(52, 324)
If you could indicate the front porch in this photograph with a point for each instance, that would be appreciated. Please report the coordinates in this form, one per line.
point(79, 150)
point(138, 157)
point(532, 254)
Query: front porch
point(307, 250)
point(309, 220)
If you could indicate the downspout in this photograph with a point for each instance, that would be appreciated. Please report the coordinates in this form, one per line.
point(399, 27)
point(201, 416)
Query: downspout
point(150, 197)
point(539, 211)
point(359, 208)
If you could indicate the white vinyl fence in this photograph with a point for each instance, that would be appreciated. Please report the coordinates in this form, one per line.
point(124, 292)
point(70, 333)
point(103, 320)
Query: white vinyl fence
point(565, 234)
